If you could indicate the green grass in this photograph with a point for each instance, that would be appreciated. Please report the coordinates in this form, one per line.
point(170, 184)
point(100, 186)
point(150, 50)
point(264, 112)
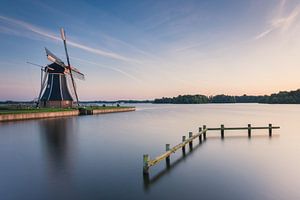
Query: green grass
point(27, 109)
point(14, 110)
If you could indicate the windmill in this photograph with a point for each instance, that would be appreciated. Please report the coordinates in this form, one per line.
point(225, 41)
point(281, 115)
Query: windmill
point(54, 85)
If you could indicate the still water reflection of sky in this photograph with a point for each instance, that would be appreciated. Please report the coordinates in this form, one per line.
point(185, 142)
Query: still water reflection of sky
point(100, 157)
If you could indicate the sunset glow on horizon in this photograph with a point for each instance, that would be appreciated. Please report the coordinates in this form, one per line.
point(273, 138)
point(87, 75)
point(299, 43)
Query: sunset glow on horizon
point(150, 49)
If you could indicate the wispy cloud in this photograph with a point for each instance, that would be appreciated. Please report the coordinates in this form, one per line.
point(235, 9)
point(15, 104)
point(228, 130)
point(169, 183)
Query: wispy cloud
point(128, 75)
point(263, 34)
point(16, 24)
point(280, 22)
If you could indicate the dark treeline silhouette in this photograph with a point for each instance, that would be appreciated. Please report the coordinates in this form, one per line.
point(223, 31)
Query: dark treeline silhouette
point(120, 101)
point(112, 102)
point(292, 97)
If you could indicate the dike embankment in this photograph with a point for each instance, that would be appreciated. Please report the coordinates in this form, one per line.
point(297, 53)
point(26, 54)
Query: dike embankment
point(57, 114)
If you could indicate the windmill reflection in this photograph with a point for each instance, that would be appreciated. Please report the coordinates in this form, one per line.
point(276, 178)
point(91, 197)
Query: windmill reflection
point(56, 136)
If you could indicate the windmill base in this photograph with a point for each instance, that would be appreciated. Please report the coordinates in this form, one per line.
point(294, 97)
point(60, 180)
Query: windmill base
point(56, 104)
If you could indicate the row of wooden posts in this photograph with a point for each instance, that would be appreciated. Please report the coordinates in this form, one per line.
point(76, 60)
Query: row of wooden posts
point(147, 163)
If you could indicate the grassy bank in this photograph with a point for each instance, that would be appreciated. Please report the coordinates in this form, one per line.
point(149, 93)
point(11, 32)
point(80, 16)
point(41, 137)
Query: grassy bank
point(8, 110)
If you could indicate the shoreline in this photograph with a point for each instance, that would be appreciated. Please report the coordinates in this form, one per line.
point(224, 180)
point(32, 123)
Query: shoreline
point(43, 115)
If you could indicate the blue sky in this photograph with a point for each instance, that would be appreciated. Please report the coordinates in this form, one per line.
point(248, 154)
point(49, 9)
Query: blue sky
point(146, 49)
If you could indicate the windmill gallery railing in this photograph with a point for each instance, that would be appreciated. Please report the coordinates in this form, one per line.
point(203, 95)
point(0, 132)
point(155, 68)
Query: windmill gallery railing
point(147, 162)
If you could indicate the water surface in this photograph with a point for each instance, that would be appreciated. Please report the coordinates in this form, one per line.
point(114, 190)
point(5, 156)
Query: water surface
point(100, 157)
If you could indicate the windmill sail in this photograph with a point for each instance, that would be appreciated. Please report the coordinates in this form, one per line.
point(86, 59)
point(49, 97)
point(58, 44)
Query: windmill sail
point(53, 58)
point(43, 86)
point(76, 73)
point(63, 37)
point(70, 86)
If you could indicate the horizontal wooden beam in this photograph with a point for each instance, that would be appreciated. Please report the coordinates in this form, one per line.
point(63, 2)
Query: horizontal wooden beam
point(243, 128)
point(174, 149)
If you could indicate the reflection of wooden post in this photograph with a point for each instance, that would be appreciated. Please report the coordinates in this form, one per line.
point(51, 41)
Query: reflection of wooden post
point(191, 142)
point(249, 130)
point(146, 179)
point(270, 130)
point(200, 134)
point(204, 132)
point(183, 147)
point(222, 131)
point(146, 159)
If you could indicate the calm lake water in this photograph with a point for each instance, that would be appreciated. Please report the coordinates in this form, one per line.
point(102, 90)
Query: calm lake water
point(100, 157)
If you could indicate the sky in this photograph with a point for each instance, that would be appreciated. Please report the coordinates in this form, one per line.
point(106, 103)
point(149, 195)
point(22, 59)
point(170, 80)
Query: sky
point(146, 49)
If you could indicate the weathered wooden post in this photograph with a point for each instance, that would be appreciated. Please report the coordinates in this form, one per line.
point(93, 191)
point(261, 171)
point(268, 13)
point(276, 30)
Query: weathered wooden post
point(222, 131)
point(249, 130)
point(167, 147)
point(204, 132)
point(191, 142)
point(146, 159)
point(200, 134)
point(168, 158)
point(183, 147)
point(270, 130)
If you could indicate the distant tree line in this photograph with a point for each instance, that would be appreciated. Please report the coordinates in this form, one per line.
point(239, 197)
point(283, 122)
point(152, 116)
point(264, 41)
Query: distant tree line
point(119, 101)
point(292, 97)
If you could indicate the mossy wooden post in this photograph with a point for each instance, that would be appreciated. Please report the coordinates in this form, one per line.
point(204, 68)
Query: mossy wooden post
point(270, 130)
point(191, 142)
point(222, 131)
point(183, 147)
point(146, 159)
point(249, 130)
point(200, 136)
point(204, 132)
point(168, 158)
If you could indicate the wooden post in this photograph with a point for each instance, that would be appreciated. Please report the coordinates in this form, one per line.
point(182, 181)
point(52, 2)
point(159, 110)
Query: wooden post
point(270, 130)
point(222, 131)
point(146, 159)
point(167, 147)
point(191, 142)
point(249, 130)
point(200, 136)
point(204, 132)
point(168, 158)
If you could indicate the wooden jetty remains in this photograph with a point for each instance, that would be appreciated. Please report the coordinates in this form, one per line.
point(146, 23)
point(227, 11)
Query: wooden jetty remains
point(147, 162)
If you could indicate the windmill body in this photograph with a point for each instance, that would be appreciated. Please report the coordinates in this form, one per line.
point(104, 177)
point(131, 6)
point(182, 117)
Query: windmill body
point(56, 91)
